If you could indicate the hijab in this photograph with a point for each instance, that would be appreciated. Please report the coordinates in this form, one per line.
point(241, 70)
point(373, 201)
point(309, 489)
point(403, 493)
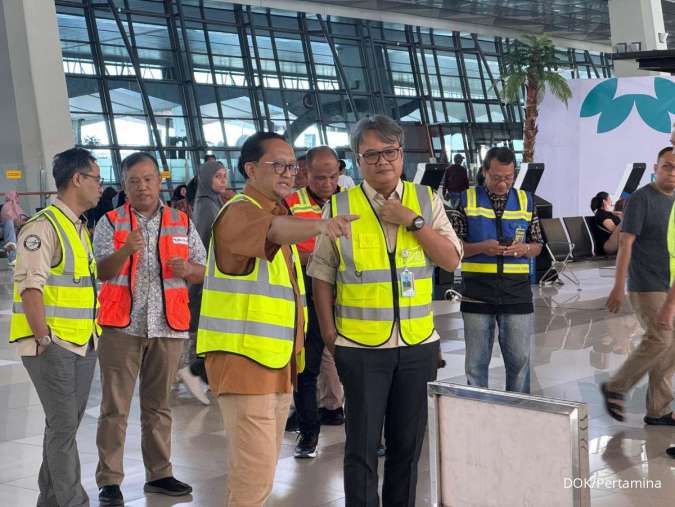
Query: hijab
point(208, 201)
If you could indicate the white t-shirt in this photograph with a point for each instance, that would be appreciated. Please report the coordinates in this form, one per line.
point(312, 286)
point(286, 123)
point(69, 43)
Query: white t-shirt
point(345, 181)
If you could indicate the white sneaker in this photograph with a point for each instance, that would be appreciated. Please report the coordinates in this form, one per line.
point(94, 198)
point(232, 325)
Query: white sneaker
point(11, 263)
point(10, 245)
point(194, 385)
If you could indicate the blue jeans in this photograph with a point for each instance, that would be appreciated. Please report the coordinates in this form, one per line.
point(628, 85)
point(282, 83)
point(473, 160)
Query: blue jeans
point(515, 332)
point(9, 236)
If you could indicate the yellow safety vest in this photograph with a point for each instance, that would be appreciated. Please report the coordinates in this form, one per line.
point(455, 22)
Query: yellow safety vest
point(671, 244)
point(370, 297)
point(69, 293)
point(252, 315)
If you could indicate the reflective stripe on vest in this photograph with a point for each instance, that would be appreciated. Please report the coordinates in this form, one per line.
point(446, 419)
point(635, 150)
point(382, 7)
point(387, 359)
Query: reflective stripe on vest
point(173, 241)
point(369, 298)
point(482, 225)
point(302, 205)
point(671, 243)
point(253, 315)
point(69, 294)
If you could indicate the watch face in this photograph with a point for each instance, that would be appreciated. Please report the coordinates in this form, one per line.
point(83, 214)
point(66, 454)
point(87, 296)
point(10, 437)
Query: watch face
point(418, 223)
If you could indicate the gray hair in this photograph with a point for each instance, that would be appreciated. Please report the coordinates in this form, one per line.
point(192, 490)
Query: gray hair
point(383, 126)
point(313, 152)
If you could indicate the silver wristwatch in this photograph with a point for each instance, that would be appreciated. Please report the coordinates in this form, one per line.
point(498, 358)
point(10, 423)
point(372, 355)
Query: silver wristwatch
point(44, 340)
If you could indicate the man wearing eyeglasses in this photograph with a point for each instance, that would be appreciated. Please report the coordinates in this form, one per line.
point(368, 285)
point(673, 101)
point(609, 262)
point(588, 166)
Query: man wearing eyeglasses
point(147, 254)
point(253, 314)
point(373, 297)
point(53, 319)
point(501, 233)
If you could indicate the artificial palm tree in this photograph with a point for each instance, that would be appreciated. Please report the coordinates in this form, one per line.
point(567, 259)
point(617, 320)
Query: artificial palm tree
point(530, 64)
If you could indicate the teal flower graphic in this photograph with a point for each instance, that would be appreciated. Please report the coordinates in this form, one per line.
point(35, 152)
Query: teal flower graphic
point(613, 111)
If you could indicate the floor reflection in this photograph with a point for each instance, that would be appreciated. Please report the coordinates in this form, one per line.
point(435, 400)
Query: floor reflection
point(576, 346)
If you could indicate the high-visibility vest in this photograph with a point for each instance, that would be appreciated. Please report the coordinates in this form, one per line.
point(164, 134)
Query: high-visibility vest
point(302, 205)
point(369, 298)
point(116, 296)
point(671, 244)
point(254, 314)
point(483, 224)
point(69, 294)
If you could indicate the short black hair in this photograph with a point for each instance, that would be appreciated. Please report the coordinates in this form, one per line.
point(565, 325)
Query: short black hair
point(343, 164)
point(135, 158)
point(303, 157)
point(502, 154)
point(69, 162)
point(663, 152)
point(253, 149)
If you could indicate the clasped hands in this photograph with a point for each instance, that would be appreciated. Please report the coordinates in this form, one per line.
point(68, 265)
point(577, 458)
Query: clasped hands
point(492, 248)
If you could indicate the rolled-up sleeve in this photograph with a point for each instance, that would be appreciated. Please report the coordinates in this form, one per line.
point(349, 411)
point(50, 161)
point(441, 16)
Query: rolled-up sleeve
point(324, 261)
point(103, 239)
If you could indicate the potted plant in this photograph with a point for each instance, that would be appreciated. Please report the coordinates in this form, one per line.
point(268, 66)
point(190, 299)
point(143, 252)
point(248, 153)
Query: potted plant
point(531, 64)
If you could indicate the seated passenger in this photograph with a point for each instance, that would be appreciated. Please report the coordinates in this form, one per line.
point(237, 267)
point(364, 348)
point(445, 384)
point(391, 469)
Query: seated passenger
point(607, 221)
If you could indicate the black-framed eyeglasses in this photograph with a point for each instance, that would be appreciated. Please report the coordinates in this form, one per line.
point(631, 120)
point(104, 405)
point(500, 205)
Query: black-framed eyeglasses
point(281, 167)
point(98, 179)
point(373, 157)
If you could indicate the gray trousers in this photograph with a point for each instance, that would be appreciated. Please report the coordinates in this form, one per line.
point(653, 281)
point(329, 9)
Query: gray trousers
point(62, 380)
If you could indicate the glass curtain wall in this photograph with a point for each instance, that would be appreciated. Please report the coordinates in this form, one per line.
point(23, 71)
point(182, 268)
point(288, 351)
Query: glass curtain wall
point(183, 78)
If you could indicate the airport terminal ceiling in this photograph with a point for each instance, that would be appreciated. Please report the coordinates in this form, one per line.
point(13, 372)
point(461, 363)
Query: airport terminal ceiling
point(581, 20)
point(214, 72)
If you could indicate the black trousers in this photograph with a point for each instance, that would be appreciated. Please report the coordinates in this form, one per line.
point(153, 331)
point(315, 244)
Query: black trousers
point(306, 406)
point(390, 386)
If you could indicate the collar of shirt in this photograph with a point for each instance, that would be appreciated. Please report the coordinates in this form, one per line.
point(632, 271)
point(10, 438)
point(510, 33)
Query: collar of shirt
point(154, 214)
point(496, 199)
point(78, 221)
point(378, 199)
point(274, 207)
point(317, 200)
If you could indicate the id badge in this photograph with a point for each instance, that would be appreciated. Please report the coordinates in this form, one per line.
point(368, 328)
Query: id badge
point(407, 283)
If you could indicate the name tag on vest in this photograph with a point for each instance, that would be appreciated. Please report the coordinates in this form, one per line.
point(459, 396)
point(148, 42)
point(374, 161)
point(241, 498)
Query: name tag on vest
point(180, 240)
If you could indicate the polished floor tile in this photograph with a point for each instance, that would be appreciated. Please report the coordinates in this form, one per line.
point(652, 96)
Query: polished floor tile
point(576, 346)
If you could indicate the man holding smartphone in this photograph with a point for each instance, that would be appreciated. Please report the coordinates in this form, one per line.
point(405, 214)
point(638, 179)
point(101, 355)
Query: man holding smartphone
point(500, 232)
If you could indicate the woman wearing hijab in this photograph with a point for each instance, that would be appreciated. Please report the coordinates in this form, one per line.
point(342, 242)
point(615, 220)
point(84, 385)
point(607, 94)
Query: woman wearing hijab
point(12, 217)
point(212, 193)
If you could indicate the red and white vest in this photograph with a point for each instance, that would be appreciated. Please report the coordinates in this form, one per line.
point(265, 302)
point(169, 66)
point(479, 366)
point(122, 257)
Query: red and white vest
point(303, 205)
point(116, 295)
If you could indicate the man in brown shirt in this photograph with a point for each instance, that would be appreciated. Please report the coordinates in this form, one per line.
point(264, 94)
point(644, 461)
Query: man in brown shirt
point(248, 234)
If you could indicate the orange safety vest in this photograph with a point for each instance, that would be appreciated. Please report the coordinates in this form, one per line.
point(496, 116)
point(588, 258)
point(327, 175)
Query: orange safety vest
point(116, 295)
point(303, 205)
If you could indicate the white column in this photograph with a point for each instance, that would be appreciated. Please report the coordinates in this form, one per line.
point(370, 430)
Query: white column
point(636, 21)
point(33, 95)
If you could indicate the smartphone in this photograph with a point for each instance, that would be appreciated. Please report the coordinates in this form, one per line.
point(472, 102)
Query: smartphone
point(505, 242)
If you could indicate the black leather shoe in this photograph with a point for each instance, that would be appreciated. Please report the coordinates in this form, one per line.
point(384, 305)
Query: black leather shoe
point(665, 420)
point(110, 495)
point(671, 452)
point(168, 486)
